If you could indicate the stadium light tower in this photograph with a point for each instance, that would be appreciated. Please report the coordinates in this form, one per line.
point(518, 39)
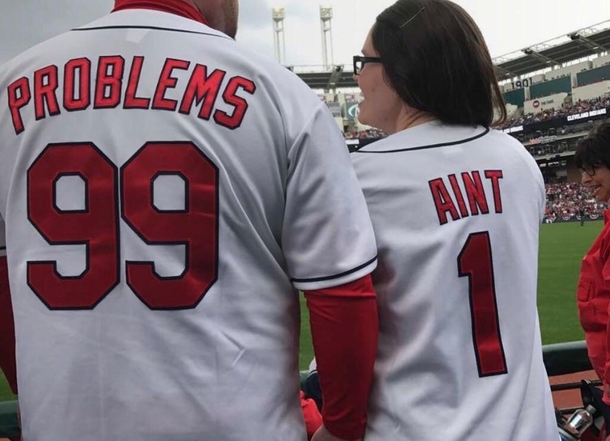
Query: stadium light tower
point(279, 40)
point(326, 16)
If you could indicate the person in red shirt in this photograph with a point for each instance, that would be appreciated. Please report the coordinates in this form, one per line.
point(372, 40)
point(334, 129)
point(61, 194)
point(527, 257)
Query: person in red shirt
point(593, 293)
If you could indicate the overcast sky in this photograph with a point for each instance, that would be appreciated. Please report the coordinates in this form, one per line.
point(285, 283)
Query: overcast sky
point(508, 26)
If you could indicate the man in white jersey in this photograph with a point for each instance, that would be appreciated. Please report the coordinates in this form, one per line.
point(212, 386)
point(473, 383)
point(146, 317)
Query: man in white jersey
point(166, 192)
point(456, 209)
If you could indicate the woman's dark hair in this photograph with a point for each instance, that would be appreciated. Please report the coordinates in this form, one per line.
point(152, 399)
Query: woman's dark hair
point(595, 148)
point(436, 59)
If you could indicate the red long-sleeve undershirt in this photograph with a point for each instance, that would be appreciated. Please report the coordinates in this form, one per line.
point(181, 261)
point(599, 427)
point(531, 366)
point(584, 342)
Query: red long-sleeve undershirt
point(344, 327)
point(7, 329)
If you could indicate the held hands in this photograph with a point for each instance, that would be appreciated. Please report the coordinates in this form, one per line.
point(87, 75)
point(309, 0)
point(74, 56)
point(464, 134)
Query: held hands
point(324, 435)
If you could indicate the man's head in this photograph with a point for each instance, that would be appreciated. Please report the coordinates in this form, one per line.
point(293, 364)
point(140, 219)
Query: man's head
point(221, 15)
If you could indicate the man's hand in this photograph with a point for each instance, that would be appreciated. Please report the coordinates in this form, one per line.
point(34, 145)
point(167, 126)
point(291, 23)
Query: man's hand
point(324, 435)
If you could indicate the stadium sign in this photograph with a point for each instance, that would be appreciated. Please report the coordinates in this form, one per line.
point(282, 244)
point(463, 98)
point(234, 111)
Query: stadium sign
point(335, 108)
point(513, 129)
point(586, 114)
point(351, 111)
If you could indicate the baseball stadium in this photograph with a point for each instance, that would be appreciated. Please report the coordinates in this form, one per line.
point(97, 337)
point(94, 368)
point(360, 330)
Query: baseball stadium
point(555, 93)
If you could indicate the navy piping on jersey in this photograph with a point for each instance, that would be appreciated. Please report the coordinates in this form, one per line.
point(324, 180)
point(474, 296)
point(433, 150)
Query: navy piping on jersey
point(336, 276)
point(154, 28)
point(431, 146)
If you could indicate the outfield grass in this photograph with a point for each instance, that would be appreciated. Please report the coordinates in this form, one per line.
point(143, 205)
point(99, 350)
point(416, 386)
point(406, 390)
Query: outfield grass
point(562, 247)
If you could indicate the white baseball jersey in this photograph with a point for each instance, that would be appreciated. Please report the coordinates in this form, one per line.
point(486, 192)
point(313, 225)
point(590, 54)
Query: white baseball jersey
point(166, 193)
point(456, 213)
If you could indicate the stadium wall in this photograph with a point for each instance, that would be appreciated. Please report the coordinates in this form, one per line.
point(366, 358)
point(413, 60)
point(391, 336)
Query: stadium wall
point(591, 91)
point(600, 61)
point(552, 87)
point(568, 70)
point(544, 103)
point(594, 75)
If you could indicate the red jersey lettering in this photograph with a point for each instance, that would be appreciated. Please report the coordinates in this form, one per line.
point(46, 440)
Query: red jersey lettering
point(77, 84)
point(132, 101)
point(202, 88)
point(475, 193)
point(19, 95)
point(166, 81)
point(45, 86)
point(442, 201)
point(495, 176)
point(109, 82)
point(240, 104)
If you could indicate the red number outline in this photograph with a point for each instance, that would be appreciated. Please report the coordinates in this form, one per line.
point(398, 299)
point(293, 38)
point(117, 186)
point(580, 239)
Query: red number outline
point(97, 226)
point(102, 273)
point(475, 262)
point(138, 174)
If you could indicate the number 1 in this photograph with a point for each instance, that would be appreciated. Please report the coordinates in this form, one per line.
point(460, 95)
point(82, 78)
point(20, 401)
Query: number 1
point(475, 262)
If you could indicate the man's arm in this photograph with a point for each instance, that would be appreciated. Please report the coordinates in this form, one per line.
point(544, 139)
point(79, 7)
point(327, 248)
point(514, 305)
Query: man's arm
point(344, 326)
point(7, 329)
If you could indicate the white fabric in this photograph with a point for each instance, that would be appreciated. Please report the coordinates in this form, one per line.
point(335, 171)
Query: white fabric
point(427, 384)
point(289, 209)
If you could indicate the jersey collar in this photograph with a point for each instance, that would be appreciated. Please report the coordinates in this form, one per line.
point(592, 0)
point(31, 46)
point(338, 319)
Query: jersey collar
point(178, 7)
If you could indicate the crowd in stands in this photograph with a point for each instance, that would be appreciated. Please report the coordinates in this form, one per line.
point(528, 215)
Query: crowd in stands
point(369, 133)
point(565, 201)
point(579, 106)
point(545, 115)
point(571, 200)
point(553, 148)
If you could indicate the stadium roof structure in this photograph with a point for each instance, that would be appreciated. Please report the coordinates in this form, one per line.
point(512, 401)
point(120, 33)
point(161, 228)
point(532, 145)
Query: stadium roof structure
point(573, 46)
point(328, 79)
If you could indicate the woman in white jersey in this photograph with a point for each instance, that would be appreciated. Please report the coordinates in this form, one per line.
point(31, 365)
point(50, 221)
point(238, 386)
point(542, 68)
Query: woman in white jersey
point(456, 209)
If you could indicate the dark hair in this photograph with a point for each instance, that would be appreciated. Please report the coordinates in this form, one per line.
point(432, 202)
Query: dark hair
point(595, 148)
point(436, 59)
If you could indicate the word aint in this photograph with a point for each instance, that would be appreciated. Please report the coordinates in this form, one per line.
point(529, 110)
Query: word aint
point(468, 200)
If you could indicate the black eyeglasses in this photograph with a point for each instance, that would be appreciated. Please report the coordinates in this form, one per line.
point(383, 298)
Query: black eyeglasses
point(360, 61)
point(588, 169)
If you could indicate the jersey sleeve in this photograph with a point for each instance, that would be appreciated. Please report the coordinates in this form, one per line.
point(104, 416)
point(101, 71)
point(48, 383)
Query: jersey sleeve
point(327, 237)
point(7, 328)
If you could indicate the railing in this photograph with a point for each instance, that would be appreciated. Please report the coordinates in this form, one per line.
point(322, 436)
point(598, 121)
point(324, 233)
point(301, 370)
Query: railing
point(9, 425)
point(559, 359)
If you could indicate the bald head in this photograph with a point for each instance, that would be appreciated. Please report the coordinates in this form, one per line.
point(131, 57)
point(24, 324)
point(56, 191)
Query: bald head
point(221, 14)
